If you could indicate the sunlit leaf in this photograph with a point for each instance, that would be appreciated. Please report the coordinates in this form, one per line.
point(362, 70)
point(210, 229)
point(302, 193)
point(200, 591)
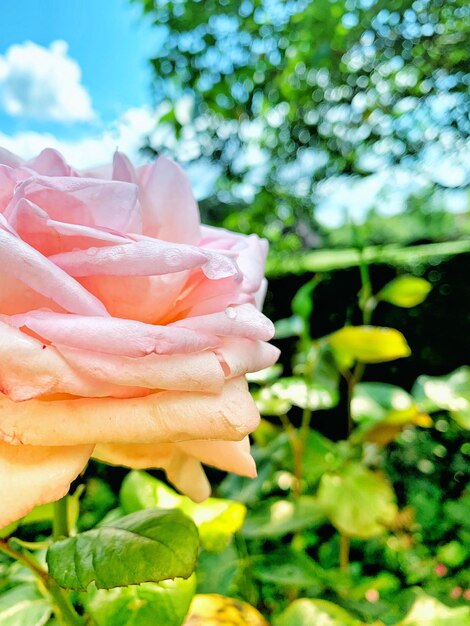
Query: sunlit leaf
point(217, 519)
point(392, 424)
point(427, 611)
point(150, 545)
point(372, 401)
point(293, 326)
point(405, 291)
point(383, 410)
point(216, 610)
point(451, 392)
point(310, 612)
point(6, 531)
point(265, 376)
point(276, 517)
point(269, 403)
point(359, 503)
point(453, 554)
point(24, 606)
point(367, 344)
point(305, 394)
point(147, 604)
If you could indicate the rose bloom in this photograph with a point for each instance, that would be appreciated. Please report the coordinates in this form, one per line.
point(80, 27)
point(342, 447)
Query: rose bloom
point(126, 329)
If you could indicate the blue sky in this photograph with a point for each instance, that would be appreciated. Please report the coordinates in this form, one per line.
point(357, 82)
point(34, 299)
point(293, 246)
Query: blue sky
point(93, 76)
point(75, 76)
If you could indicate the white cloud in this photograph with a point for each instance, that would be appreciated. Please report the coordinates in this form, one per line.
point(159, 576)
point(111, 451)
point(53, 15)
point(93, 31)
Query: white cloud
point(43, 84)
point(126, 134)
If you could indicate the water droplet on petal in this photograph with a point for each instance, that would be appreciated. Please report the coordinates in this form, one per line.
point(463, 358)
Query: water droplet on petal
point(230, 312)
point(92, 251)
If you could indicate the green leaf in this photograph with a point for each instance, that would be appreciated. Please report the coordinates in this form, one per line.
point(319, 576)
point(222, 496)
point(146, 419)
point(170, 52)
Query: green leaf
point(269, 403)
point(358, 502)
point(6, 531)
point(367, 344)
point(287, 568)
point(289, 327)
point(216, 571)
point(405, 291)
point(265, 376)
point(305, 394)
point(451, 392)
point(147, 604)
point(151, 545)
point(427, 611)
point(309, 612)
point(453, 554)
point(217, 519)
point(275, 518)
point(320, 455)
point(24, 606)
point(382, 411)
point(302, 302)
point(372, 401)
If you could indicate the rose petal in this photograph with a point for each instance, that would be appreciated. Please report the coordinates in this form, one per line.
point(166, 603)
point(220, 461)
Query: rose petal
point(50, 237)
point(50, 162)
point(168, 416)
point(241, 356)
point(32, 268)
point(186, 372)
point(29, 368)
point(169, 210)
point(111, 335)
point(10, 159)
point(229, 456)
point(7, 185)
point(187, 475)
point(238, 321)
point(123, 169)
point(84, 201)
point(30, 476)
point(183, 470)
point(139, 258)
point(146, 299)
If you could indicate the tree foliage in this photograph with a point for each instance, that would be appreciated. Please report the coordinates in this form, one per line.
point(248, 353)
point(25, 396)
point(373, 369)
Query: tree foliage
point(280, 96)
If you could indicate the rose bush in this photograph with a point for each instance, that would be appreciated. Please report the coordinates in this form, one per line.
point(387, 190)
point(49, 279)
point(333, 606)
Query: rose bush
point(126, 329)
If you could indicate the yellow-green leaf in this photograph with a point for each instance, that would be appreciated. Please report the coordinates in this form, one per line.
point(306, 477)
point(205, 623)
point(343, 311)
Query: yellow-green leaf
point(451, 392)
point(367, 344)
point(358, 502)
point(215, 610)
point(217, 519)
point(405, 291)
point(427, 611)
point(147, 604)
point(306, 612)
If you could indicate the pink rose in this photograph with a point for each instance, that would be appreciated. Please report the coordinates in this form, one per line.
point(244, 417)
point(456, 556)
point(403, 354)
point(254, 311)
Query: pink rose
point(126, 329)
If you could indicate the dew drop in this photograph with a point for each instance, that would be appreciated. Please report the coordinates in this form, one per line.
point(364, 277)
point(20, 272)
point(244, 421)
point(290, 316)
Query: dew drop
point(230, 312)
point(92, 251)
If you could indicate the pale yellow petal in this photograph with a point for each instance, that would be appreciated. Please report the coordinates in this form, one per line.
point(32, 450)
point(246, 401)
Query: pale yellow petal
point(230, 456)
point(157, 418)
point(33, 475)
